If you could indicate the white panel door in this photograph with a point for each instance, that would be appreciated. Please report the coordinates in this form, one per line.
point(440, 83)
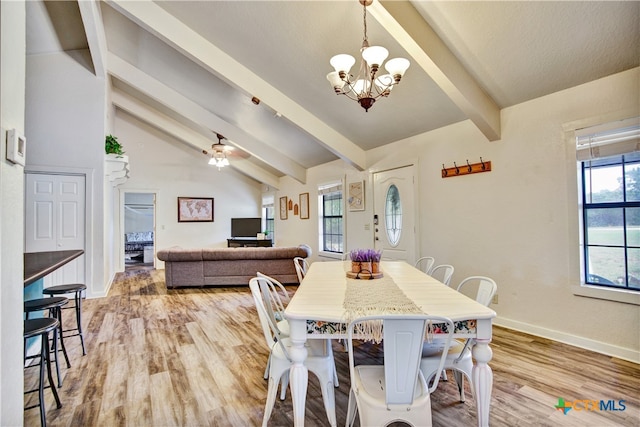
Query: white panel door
point(54, 220)
point(394, 210)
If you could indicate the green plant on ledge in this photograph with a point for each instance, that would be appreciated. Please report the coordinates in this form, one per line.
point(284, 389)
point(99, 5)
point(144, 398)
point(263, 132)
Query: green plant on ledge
point(112, 146)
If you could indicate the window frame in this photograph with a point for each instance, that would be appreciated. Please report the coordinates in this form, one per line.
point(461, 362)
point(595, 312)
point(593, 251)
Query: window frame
point(586, 167)
point(322, 199)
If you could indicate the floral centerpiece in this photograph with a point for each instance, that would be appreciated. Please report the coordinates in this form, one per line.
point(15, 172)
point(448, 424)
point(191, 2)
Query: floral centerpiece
point(365, 260)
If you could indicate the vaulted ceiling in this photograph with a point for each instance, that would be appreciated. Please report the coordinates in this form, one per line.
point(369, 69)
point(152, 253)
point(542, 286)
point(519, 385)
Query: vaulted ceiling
point(191, 68)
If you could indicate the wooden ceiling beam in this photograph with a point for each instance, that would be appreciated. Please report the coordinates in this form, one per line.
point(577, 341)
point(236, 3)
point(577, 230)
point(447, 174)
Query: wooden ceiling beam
point(430, 53)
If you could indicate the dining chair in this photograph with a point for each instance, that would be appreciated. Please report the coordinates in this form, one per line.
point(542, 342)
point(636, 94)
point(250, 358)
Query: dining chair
point(426, 262)
point(443, 273)
point(459, 358)
point(396, 390)
point(319, 359)
point(302, 266)
point(274, 295)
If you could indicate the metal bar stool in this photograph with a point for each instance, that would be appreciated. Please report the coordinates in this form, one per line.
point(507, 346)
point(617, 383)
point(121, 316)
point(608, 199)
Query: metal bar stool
point(41, 327)
point(76, 289)
point(54, 306)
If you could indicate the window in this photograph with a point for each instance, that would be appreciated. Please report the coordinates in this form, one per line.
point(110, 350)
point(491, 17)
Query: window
point(268, 219)
point(331, 211)
point(610, 195)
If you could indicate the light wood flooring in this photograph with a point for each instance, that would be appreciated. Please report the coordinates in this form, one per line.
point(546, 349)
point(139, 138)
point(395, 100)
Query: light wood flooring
point(195, 357)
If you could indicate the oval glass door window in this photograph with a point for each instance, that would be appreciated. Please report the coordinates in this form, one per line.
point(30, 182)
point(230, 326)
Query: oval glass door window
point(393, 215)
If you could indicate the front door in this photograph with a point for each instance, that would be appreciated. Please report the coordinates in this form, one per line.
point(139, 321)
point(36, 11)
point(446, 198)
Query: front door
point(394, 210)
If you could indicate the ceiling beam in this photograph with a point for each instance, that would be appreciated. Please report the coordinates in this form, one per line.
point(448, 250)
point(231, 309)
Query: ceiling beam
point(96, 38)
point(192, 111)
point(185, 134)
point(173, 32)
point(415, 35)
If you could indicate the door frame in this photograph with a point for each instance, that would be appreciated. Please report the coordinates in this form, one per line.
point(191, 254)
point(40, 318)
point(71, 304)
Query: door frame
point(88, 213)
point(416, 205)
point(123, 191)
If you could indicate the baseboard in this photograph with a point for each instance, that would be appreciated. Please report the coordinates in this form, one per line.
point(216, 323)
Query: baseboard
point(592, 345)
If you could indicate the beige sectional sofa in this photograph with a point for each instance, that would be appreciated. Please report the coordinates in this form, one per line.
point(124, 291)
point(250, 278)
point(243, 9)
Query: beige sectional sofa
point(229, 266)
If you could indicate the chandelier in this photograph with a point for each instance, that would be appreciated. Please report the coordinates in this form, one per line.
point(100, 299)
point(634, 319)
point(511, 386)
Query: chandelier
point(218, 153)
point(367, 86)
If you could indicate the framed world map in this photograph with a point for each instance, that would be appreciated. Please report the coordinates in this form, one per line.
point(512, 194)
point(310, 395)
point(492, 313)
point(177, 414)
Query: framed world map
point(195, 209)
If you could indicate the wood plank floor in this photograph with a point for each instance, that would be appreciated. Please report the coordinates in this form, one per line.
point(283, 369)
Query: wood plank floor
point(195, 357)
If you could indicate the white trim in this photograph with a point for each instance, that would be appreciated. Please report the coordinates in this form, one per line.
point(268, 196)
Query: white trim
point(610, 294)
point(563, 337)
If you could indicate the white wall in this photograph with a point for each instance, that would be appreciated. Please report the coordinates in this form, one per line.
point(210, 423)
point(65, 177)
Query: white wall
point(517, 223)
point(65, 122)
point(157, 161)
point(12, 104)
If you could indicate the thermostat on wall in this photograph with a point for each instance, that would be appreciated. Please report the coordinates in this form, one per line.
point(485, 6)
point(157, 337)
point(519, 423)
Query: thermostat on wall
point(16, 147)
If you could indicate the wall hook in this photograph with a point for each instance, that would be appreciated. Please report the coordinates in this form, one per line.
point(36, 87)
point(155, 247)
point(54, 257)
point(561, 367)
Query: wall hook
point(471, 168)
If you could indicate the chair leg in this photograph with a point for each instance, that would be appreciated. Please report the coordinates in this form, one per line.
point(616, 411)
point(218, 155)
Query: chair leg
point(351, 409)
point(266, 369)
point(48, 362)
point(284, 383)
point(460, 382)
point(78, 301)
point(271, 399)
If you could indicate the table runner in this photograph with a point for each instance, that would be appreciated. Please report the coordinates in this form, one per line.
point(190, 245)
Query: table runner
point(375, 297)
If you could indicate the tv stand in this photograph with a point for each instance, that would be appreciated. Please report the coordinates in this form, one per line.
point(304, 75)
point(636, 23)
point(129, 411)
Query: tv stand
point(247, 242)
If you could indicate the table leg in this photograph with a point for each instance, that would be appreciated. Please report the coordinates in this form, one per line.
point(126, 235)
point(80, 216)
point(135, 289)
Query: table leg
point(482, 380)
point(299, 375)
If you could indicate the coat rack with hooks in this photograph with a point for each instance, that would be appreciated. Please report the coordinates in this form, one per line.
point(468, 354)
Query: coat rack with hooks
point(466, 169)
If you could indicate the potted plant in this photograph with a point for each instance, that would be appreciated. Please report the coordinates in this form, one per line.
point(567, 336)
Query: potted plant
point(375, 256)
point(360, 260)
point(112, 146)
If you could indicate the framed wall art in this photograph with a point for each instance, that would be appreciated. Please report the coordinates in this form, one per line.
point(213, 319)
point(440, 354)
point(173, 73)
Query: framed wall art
point(195, 209)
point(284, 209)
point(355, 198)
point(304, 206)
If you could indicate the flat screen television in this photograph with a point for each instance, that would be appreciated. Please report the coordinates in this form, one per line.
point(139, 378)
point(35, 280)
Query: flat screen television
point(245, 227)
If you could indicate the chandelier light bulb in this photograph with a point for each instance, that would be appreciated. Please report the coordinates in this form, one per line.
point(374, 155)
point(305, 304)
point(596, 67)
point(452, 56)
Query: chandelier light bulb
point(375, 56)
point(342, 63)
point(361, 87)
point(397, 67)
point(336, 82)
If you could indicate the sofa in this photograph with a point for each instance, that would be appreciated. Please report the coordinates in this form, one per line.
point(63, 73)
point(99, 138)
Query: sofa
point(229, 266)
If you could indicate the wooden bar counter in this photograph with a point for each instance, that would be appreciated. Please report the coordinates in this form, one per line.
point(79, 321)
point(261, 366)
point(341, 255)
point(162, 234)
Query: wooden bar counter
point(39, 264)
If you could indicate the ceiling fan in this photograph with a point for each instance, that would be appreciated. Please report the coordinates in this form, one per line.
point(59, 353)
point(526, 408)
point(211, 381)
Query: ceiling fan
point(220, 153)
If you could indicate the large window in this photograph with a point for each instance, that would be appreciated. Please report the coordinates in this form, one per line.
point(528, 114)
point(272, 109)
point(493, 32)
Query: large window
point(331, 213)
point(611, 219)
point(268, 219)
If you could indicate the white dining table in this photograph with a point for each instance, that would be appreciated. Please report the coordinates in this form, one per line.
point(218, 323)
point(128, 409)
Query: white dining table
point(316, 311)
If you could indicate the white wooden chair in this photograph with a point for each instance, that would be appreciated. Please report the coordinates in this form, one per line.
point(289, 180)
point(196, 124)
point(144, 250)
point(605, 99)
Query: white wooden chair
point(443, 273)
point(274, 297)
point(319, 359)
point(397, 390)
point(425, 264)
point(459, 358)
point(302, 266)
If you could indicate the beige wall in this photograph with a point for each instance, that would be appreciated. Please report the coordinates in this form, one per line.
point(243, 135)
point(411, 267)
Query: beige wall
point(517, 223)
point(12, 103)
point(161, 164)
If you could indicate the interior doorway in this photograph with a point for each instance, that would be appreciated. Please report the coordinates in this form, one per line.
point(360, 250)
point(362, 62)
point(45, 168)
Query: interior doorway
point(139, 227)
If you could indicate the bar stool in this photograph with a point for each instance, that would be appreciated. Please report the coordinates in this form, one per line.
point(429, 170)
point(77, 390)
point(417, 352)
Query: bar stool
point(76, 289)
point(41, 327)
point(54, 306)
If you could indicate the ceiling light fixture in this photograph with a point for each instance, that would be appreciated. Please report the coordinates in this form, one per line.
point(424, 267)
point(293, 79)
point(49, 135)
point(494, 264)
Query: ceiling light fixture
point(218, 154)
point(366, 87)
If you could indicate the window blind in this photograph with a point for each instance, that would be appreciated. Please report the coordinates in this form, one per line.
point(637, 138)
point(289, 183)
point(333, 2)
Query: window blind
point(609, 139)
